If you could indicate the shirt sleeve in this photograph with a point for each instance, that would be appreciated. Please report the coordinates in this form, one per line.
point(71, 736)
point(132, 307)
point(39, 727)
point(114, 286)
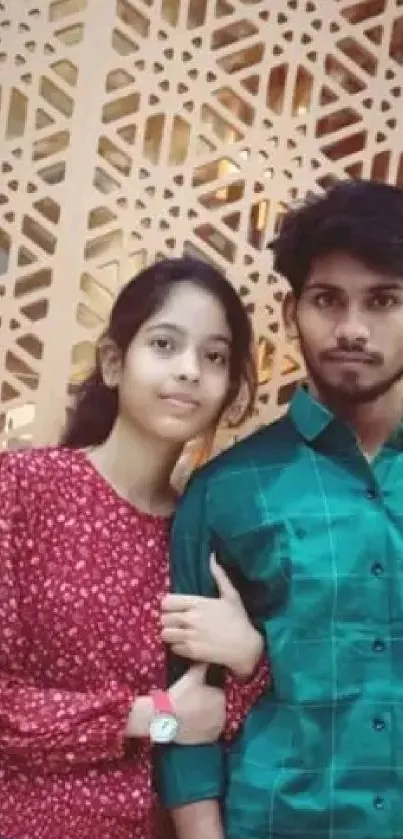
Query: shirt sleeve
point(44, 726)
point(190, 773)
point(195, 773)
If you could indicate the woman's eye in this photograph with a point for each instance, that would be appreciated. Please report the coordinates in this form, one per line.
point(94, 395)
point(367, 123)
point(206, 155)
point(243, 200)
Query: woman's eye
point(217, 358)
point(162, 344)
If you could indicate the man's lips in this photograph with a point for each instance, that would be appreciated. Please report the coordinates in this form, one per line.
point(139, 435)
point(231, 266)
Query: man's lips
point(349, 358)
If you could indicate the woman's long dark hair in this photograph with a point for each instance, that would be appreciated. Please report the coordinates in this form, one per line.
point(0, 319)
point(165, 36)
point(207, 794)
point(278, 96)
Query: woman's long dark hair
point(96, 408)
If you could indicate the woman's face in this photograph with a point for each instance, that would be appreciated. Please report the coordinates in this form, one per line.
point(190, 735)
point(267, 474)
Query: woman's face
point(175, 377)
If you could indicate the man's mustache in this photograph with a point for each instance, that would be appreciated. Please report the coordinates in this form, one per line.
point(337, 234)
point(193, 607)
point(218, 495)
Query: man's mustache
point(342, 354)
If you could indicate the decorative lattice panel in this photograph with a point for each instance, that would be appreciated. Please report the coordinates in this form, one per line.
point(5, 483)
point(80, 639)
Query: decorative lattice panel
point(132, 129)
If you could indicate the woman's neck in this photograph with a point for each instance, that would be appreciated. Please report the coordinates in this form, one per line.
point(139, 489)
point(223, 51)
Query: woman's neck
point(139, 468)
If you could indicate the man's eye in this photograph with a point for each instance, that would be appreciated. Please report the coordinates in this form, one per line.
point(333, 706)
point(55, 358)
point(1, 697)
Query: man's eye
point(324, 300)
point(383, 301)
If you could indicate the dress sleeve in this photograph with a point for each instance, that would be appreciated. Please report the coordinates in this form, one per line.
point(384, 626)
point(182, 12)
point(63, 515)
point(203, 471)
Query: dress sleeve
point(241, 695)
point(44, 726)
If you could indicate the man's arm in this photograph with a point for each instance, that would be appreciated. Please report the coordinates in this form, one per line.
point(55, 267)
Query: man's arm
point(189, 774)
point(201, 820)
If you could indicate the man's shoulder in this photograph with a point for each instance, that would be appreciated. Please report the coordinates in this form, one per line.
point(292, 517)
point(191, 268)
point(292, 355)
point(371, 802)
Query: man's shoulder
point(261, 447)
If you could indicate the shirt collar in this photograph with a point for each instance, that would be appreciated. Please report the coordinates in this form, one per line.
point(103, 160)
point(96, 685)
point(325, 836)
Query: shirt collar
point(311, 418)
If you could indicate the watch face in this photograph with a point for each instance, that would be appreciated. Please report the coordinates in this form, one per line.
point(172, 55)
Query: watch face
point(163, 728)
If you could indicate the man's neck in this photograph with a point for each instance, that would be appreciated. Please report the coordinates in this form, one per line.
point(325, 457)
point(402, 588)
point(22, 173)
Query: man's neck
point(372, 422)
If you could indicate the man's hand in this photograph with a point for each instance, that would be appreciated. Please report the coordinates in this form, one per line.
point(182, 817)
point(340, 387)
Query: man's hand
point(201, 820)
point(216, 630)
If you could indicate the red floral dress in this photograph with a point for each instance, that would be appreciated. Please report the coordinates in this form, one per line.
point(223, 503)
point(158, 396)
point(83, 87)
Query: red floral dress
point(82, 574)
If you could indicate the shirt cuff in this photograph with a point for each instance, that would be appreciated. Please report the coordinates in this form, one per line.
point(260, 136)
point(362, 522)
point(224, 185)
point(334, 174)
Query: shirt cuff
point(186, 774)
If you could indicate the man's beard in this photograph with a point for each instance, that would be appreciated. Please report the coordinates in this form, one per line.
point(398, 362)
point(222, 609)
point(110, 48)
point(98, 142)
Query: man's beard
point(348, 392)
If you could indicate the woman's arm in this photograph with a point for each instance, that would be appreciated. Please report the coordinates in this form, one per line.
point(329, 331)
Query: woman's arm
point(54, 726)
point(217, 630)
point(38, 724)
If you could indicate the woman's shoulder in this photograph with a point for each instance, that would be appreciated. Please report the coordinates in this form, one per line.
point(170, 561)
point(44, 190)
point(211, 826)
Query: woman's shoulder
point(32, 464)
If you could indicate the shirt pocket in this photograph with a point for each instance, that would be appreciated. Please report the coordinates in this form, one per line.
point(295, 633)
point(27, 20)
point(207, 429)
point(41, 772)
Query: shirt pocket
point(320, 641)
point(257, 561)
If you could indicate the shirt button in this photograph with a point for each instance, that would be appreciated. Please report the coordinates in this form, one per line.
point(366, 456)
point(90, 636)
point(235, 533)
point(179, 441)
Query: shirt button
point(371, 493)
point(378, 646)
point(378, 802)
point(378, 724)
point(377, 569)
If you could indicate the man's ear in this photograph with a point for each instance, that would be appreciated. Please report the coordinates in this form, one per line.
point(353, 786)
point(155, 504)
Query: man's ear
point(290, 317)
point(110, 360)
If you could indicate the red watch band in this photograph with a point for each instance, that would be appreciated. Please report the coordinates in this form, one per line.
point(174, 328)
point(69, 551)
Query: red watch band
point(162, 702)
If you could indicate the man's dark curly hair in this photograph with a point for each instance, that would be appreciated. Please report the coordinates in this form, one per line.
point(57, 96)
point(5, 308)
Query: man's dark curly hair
point(362, 218)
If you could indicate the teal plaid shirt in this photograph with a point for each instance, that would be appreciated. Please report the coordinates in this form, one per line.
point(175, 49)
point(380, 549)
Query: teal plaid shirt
point(312, 534)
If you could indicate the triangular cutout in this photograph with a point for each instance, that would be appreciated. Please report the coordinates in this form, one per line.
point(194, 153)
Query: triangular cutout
point(223, 8)
point(375, 34)
point(42, 119)
point(232, 220)
point(252, 83)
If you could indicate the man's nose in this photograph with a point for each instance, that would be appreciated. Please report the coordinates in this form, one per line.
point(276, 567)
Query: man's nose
point(351, 331)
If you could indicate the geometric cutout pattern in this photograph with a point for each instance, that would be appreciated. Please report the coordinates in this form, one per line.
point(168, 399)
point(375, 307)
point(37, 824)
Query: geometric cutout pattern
point(159, 128)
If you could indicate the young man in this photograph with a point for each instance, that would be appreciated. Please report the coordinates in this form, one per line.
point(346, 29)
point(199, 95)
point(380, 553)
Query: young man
point(307, 515)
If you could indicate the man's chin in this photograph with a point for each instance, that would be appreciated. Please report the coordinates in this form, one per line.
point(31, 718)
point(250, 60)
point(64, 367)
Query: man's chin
point(354, 392)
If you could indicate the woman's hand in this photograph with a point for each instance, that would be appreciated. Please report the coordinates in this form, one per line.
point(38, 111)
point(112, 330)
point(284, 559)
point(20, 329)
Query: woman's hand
point(216, 630)
point(199, 709)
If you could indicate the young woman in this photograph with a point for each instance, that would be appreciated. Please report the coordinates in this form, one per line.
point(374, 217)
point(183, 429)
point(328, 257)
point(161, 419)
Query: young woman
point(84, 567)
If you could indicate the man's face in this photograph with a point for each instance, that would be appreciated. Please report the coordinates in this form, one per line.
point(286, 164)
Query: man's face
point(349, 320)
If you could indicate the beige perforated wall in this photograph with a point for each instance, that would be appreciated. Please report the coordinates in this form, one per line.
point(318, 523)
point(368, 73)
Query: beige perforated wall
point(131, 129)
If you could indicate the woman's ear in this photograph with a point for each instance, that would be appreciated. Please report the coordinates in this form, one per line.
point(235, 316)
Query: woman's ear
point(110, 360)
point(290, 317)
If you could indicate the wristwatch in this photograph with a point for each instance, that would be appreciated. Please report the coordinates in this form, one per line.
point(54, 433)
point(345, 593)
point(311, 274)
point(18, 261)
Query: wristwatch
point(164, 724)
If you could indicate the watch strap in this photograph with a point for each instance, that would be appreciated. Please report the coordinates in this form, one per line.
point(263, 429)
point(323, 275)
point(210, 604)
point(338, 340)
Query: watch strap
point(162, 702)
